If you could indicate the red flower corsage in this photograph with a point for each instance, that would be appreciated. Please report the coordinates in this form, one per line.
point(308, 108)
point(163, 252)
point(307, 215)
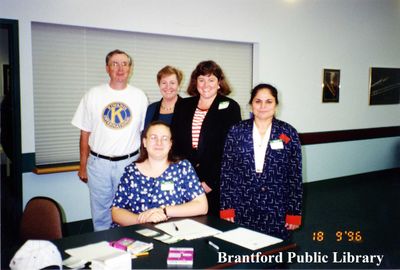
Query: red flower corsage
point(284, 138)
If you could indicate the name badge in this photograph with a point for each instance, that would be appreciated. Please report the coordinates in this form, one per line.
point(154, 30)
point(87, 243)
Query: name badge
point(276, 144)
point(167, 186)
point(223, 105)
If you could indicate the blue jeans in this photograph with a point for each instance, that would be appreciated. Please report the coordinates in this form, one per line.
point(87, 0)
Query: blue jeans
point(103, 179)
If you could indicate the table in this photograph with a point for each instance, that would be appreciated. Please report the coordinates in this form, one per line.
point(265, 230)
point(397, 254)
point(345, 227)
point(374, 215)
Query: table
point(205, 256)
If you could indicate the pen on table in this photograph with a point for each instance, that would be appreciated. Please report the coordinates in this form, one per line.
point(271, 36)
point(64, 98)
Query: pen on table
point(213, 245)
point(142, 254)
point(176, 227)
point(134, 256)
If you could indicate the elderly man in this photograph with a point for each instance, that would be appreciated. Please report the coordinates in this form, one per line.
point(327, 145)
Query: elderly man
point(110, 117)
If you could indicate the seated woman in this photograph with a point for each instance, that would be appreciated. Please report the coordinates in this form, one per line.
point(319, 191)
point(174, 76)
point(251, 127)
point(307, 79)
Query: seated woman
point(157, 186)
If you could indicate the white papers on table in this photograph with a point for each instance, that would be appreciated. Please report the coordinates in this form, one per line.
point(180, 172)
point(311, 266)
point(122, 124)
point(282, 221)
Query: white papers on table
point(139, 247)
point(102, 256)
point(74, 263)
point(248, 238)
point(187, 229)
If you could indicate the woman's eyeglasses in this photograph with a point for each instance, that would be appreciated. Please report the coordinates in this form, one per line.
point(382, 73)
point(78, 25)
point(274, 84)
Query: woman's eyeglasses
point(154, 138)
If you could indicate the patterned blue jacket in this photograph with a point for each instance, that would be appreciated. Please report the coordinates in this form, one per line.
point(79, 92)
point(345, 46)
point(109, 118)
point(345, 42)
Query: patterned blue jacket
point(263, 201)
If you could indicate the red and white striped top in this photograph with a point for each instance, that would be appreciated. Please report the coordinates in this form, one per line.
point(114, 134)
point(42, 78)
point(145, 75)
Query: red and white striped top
point(198, 119)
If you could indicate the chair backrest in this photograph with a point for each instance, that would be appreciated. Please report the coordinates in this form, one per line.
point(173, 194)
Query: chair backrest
point(41, 219)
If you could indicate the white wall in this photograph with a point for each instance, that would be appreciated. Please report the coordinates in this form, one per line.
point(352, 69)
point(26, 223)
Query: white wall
point(295, 40)
point(71, 193)
point(324, 161)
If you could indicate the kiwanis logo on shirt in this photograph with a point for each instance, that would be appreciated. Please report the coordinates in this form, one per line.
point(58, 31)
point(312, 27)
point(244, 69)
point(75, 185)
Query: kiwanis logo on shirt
point(116, 115)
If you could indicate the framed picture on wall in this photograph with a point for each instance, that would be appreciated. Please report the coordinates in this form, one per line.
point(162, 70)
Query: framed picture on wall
point(384, 86)
point(330, 85)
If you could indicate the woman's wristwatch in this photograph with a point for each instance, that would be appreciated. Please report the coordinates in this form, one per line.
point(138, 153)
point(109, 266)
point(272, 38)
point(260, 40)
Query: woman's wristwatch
point(164, 208)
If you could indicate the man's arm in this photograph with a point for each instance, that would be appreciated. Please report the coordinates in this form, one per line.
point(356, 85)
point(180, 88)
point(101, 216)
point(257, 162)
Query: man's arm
point(84, 154)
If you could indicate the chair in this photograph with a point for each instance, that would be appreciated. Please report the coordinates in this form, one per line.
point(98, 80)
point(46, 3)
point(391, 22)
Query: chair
point(41, 219)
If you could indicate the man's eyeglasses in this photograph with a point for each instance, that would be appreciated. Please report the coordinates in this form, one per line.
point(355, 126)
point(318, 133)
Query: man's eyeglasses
point(117, 64)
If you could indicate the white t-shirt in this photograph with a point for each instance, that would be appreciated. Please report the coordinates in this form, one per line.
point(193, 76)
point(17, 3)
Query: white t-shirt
point(114, 118)
point(260, 147)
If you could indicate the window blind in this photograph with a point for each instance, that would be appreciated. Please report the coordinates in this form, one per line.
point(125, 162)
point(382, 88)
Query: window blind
point(69, 60)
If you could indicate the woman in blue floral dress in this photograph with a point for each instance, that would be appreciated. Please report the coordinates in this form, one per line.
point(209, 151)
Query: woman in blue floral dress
point(261, 174)
point(157, 186)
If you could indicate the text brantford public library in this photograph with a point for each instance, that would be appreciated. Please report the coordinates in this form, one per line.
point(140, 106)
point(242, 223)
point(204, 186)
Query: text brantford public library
point(306, 258)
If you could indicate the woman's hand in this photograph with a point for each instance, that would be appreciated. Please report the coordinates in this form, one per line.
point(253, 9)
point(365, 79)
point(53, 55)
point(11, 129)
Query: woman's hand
point(230, 219)
point(206, 188)
point(154, 215)
point(291, 227)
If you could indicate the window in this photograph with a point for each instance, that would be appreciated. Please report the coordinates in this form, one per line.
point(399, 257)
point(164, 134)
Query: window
point(68, 60)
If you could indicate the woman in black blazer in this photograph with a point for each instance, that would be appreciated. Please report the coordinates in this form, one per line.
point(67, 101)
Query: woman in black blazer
point(200, 124)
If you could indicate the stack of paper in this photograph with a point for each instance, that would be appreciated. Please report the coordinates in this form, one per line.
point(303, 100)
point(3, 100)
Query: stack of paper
point(102, 256)
point(187, 229)
point(112, 262)
point(180, 256)
point(248, 238)
point(138, 247)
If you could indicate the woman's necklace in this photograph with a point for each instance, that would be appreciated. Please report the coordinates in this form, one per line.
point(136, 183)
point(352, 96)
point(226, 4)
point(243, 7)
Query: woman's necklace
point(167, 108)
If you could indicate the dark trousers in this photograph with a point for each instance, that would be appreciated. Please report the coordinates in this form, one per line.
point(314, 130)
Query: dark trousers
point(213, 203)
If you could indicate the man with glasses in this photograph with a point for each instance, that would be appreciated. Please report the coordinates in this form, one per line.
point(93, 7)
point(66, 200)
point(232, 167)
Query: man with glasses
point(110, 117)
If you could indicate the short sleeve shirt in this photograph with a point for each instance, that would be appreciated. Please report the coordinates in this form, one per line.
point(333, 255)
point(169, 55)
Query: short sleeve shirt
point(114, 119)
point(178, 184)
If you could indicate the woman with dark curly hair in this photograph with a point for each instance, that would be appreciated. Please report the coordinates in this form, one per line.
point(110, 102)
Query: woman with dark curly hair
point(200, 125)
